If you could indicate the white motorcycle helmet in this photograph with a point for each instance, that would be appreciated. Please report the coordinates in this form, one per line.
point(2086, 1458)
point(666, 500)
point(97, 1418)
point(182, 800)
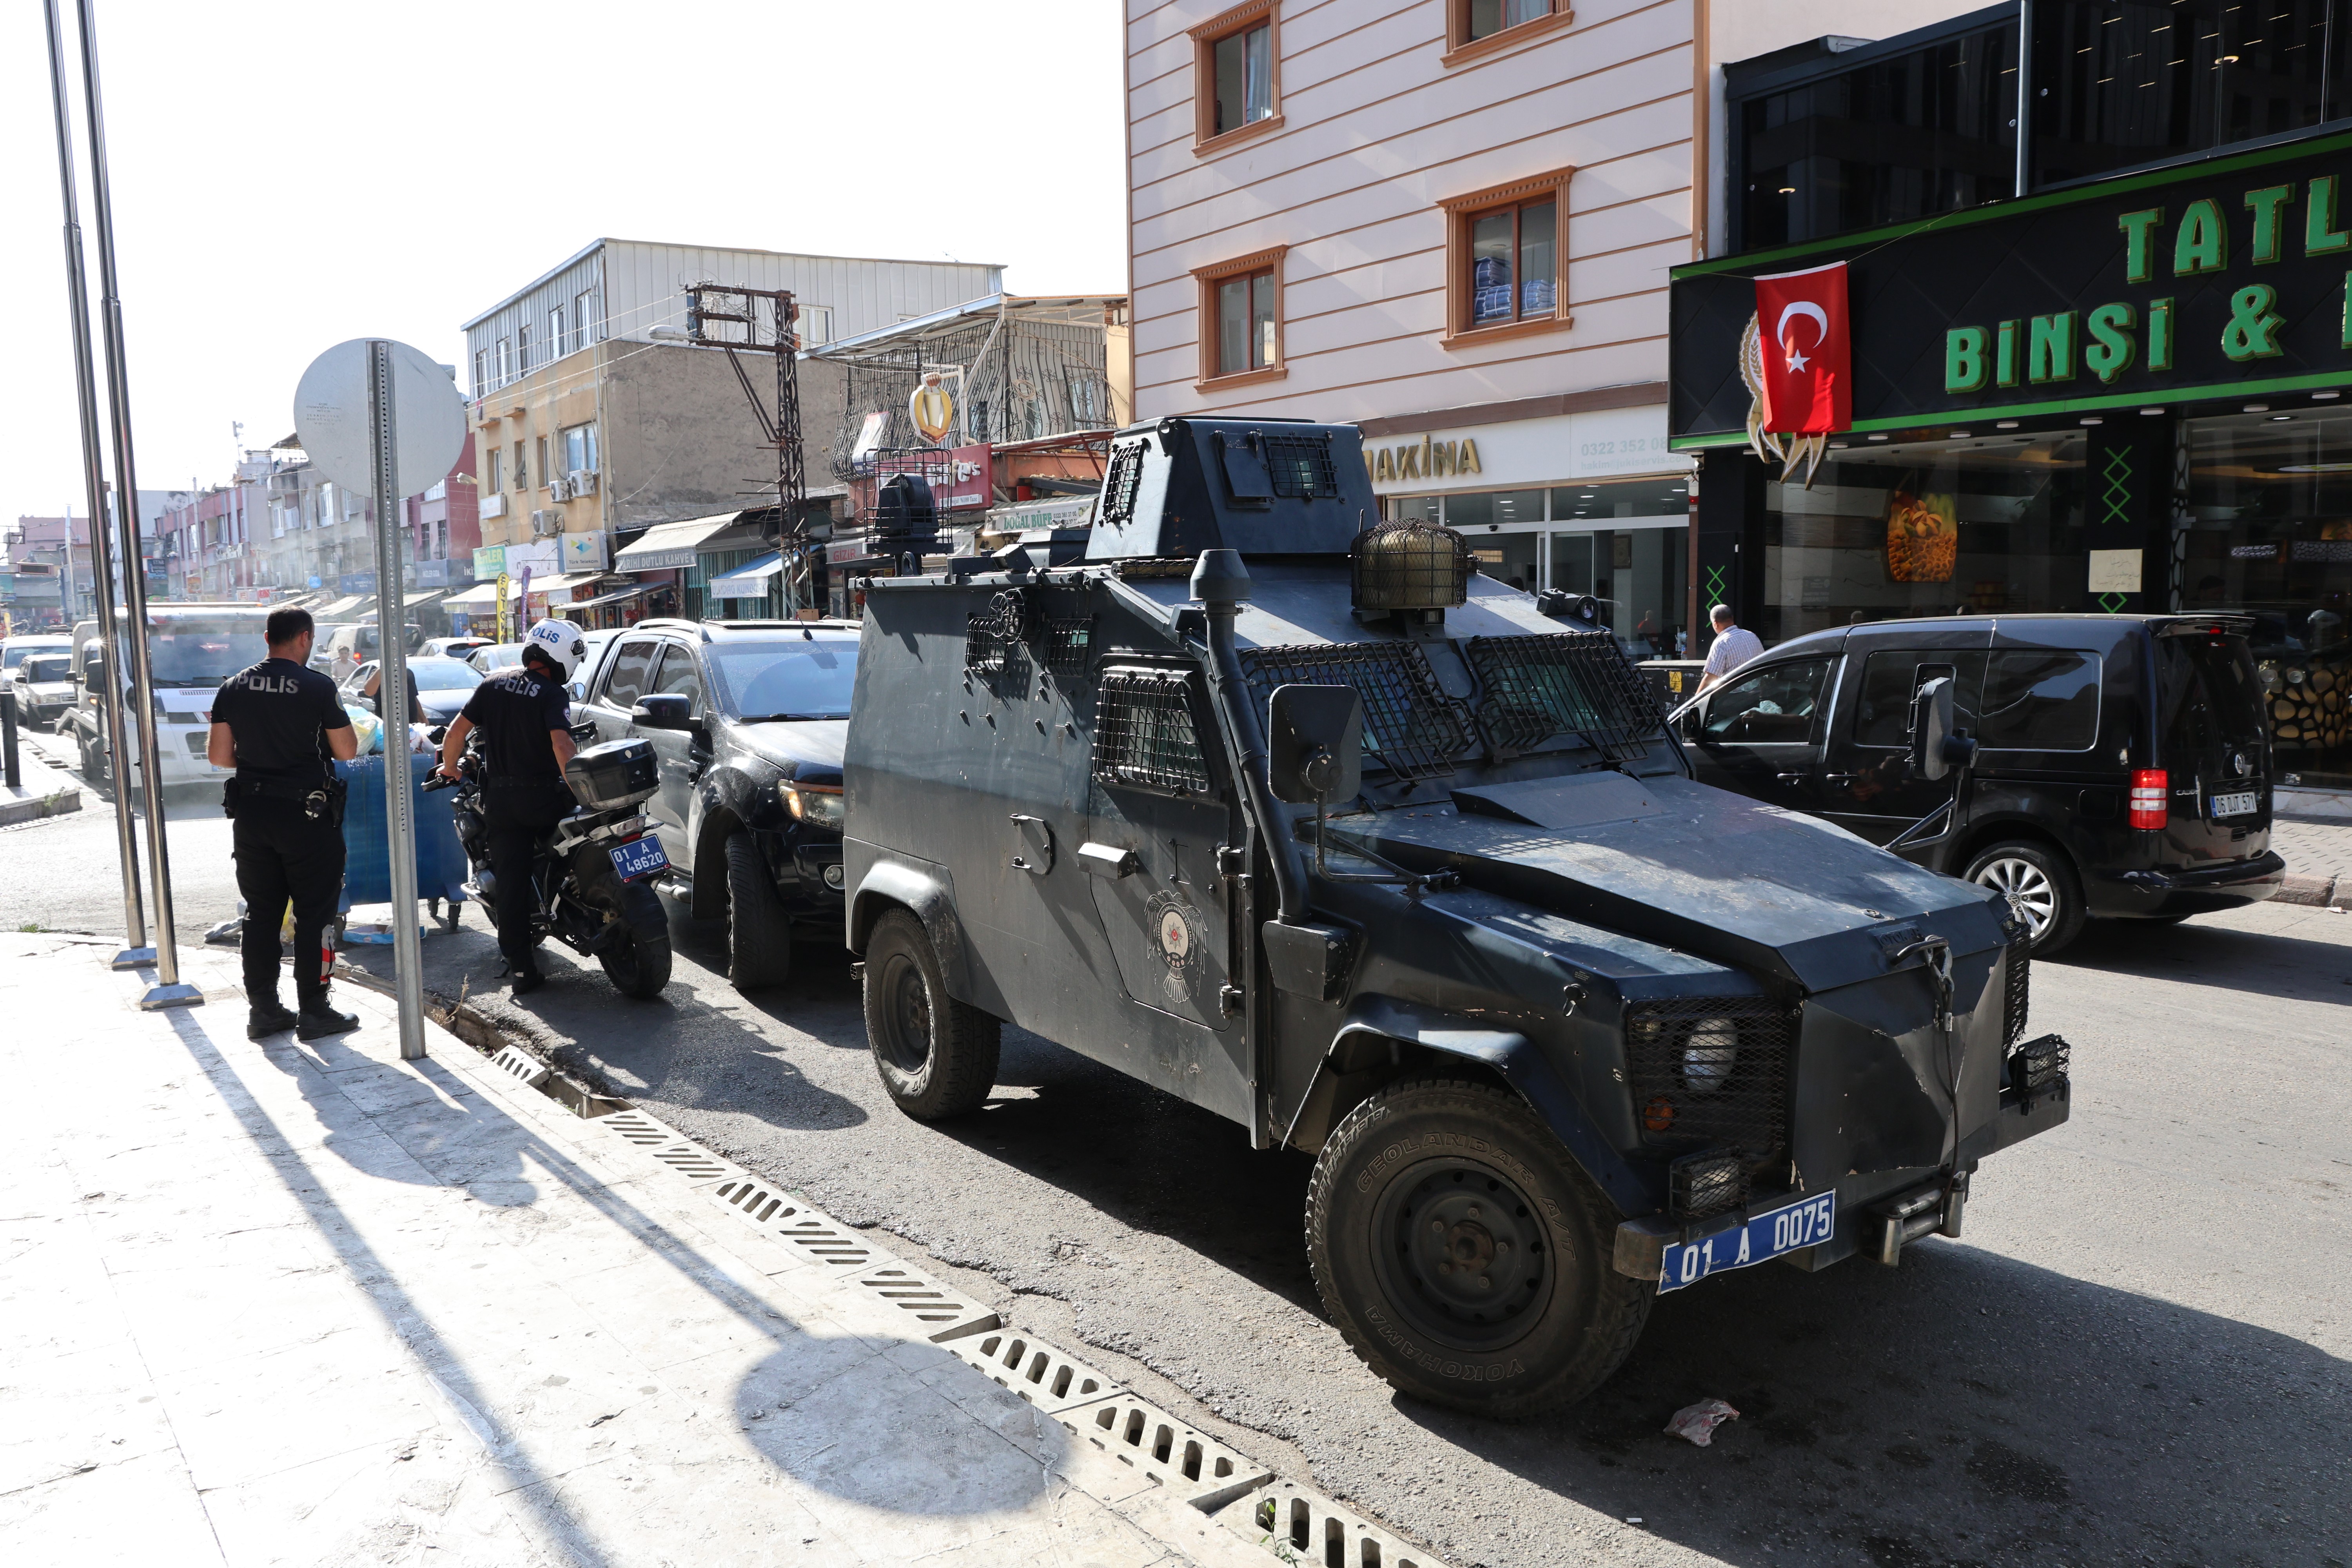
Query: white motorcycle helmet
point(560, 642)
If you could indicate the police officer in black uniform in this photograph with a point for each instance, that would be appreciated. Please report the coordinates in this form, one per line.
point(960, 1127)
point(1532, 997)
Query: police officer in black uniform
point(280, 724)
point(525, 716)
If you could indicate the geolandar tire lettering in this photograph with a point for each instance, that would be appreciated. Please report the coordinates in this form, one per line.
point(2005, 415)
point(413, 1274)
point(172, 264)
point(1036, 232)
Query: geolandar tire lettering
point(1465, 1255)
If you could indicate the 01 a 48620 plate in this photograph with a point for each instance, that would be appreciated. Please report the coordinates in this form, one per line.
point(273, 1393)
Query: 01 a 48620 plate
point(1762, 1239)
point(640, 857)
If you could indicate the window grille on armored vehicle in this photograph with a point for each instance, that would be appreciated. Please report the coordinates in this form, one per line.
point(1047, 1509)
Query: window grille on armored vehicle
point(1069, 642)
point(1409, 727)
point(1567, 683)
point(1300, 467)
point(1144, 734)
point(1712, 1071)
point(1120, 484)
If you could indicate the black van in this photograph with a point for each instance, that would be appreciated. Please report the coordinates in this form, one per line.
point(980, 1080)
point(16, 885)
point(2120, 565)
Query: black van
point(2125, 768)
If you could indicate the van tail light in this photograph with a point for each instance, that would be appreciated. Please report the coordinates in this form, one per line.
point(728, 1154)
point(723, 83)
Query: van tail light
point(2148, 807)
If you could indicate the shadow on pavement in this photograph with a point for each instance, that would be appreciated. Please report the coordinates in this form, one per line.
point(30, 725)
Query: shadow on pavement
point(2224, 958)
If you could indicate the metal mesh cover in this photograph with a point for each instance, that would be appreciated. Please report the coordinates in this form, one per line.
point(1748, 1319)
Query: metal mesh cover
point(1563, 683)
point(2038, 1064)
point(2013, 1000)
point(1410, 728)
point(1069, 642)
point(1144, 736)
point(1700, 1185)
point(1119, 485)
point(1408, 565)
point(1712, 1071)
point(1300, 466)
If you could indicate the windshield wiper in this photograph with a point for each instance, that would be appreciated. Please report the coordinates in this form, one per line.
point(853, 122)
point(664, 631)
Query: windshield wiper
point(787, 718)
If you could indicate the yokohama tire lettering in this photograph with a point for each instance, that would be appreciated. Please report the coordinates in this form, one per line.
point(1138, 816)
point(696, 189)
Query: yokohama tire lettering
point(1461, 1372)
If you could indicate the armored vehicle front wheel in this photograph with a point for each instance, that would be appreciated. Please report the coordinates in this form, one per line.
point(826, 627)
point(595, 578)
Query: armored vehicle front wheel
point(1464, 1254)
point(936, 1056)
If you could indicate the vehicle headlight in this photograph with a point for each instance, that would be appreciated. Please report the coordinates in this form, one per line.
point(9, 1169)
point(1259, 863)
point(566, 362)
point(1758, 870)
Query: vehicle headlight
point(819, 806)
point(1709, 1055)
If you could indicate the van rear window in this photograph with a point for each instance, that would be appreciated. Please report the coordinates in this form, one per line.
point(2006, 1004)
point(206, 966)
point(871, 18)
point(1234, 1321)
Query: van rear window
point(2040, 700)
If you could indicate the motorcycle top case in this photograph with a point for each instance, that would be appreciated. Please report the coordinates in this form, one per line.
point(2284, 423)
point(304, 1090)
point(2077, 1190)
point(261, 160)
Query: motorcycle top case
point(615, 774)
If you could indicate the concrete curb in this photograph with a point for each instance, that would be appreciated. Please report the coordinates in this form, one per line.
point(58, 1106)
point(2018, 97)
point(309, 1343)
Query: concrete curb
point(32, 807)
point(2319, 892)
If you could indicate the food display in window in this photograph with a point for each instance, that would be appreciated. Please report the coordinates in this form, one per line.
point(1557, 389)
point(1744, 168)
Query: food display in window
point(1922, 537)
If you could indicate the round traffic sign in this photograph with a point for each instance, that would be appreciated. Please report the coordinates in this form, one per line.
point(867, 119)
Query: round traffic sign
point(330, 418)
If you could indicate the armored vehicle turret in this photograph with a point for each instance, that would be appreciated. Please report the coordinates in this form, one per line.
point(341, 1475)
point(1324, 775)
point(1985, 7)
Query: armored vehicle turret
point(1290, 812)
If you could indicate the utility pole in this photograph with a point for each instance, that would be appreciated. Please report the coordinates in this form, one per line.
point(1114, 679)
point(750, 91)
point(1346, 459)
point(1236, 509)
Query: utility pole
point(723, 317)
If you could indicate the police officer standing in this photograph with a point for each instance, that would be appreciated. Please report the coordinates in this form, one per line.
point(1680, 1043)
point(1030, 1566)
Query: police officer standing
point(281, 725)
point(525, 716)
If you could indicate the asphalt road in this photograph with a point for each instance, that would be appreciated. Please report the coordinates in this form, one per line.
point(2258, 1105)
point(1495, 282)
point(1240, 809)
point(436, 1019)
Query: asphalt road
point(2136, 1353)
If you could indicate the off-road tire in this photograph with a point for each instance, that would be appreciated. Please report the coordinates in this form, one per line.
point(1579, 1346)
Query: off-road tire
point(1394, 1159)
point(758, 932)
point(2051, 891)
point(936, 1056)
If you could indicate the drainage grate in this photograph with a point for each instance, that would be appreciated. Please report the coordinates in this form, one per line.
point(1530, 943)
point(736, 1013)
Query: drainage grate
point(943, 1314)
point(664, 1144)
point(522, 1065)
point(1306, 1527)
point(1037, 1373)
point(946, 1317)
point(1194, 1467)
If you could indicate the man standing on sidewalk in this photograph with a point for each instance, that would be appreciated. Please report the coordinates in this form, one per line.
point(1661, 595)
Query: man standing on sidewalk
point(1734, 646)
point(281, 725)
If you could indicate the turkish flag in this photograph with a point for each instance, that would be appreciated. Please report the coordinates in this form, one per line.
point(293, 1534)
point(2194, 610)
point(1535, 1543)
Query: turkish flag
point(1808, 351)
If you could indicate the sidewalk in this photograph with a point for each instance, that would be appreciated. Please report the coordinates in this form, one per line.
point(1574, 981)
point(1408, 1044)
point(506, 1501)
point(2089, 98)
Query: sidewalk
point(2318, 854)
point(279, 1303)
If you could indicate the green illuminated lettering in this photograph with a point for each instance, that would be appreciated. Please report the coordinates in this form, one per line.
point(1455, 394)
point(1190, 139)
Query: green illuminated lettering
point(2112, 347)
point(2050, 350)
point(1964, 359)
point(2320, 234)
point(2159, 335)
point(2005, 356)
point(2137, 227)
point(2266, 205)
point(2203, 243)
point(2253, 331)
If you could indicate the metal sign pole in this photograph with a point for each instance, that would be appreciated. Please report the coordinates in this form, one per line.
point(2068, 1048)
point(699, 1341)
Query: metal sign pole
point(168, 992)
point(392, 644)
point(135, 950)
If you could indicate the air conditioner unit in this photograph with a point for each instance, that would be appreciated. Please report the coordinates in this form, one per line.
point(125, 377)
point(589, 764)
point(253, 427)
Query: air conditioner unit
point(583, 482)
point(558, 490)
point(494, 506)
point(544, 524)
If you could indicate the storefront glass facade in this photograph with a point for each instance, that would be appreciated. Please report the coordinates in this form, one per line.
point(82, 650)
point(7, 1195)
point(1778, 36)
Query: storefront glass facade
point(1624, 541)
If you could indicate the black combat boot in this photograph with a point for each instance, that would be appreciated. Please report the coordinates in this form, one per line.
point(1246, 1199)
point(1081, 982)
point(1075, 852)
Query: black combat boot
point(320, 1020)
point(266, 1018)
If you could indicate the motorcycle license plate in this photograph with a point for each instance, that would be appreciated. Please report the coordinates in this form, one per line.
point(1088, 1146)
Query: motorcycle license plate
point(1762, 1239)
point(640, 857)
point(2241, 804)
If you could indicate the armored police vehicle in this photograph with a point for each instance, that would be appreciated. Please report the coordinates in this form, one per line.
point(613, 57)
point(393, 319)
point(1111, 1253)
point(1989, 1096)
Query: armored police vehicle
point(1305, 822)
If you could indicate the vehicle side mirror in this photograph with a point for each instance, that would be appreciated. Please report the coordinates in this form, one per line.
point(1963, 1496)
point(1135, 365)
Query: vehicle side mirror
point(438, 733)
point(579, 691)
point(1936, 746)
point(661, 710)
point(1315, 743)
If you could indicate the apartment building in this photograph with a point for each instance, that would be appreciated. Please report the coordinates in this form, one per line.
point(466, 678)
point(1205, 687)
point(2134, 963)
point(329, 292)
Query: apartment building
point(1452, 223)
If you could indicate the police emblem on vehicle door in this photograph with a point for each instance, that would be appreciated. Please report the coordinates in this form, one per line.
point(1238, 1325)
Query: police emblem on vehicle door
point(1175, 927)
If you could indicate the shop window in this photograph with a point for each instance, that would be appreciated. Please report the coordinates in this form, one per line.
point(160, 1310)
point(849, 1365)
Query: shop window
point(1774, 705)
point(2040, 700)
point(1241, 318)
point(1476, 27)
point(1507, 259)
point(1237, 74)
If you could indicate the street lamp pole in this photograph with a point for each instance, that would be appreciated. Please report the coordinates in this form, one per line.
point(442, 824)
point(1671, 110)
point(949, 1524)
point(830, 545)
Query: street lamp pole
point(135, 950)
point(168, 991)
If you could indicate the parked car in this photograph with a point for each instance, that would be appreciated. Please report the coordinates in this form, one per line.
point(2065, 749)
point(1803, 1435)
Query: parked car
point(450, 648)
point(492, 658)
point(44, 688)
point(442, 685)
point(2124, 770)
point(14, 650)
point(748, 717)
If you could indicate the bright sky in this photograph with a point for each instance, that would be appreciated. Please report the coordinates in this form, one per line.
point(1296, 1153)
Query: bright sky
point(289, 175)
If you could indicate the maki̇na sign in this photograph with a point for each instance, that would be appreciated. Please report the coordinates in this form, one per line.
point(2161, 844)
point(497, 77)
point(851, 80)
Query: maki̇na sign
point(2225, 279)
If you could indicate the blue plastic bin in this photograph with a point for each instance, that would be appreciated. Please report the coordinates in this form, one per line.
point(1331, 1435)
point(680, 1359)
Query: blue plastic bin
point(441, 868)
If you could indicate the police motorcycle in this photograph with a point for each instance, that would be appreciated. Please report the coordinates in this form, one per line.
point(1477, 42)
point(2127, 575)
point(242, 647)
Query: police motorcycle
point(592, 878)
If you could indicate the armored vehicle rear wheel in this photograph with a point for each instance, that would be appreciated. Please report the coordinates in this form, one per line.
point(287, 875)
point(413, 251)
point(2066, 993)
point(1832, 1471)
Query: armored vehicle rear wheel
point(758, 933)
point(2041, 883)
point(1464, 1254)
point(936, 1056)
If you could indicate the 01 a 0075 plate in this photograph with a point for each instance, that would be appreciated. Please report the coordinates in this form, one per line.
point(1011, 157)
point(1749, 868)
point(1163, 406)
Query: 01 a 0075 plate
point(640, 857)
point(2239, 803)
point(1762, 1239)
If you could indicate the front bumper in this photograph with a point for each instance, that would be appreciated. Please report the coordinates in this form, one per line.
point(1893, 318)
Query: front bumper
point(2198, 889)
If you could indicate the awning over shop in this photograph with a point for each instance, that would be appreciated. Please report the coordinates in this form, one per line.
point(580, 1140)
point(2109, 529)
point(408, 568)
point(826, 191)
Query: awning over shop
point(748, 581)
point(671, 544)
point(480, 596)
point(621, 596)
point(559, 590)
point(341, 609)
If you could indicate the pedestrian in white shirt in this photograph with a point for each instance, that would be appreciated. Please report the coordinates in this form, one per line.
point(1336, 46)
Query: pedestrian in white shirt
point(1734, 646)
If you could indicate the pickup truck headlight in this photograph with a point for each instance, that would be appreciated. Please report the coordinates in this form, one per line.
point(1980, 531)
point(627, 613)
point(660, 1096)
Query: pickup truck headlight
point(819, 806)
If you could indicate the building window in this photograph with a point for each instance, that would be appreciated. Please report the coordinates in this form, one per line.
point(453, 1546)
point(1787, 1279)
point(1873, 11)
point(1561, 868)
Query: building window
point(1241, 317)
point(1236, 73)
point(580, 449)
point(503, 361)
point(585, 325)
point(1478, 27)
point(1484, 18)
point(521, 474)
point(496, 468)
point(558, 346)
point(1507, 261)
point(481, 372)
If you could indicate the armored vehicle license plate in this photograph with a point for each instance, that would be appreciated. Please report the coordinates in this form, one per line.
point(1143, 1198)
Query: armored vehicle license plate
point(1763, 1238)
point(2241, 804)
point(640, 857)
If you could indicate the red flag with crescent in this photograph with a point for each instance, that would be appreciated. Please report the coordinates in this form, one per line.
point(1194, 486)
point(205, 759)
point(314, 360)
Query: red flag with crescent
point(1808, 351)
